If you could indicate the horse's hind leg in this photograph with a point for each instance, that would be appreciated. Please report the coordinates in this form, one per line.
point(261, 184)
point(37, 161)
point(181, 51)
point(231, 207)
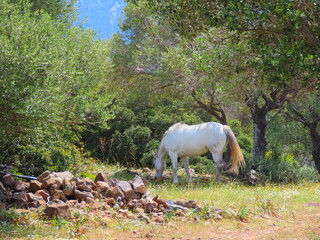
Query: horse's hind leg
point(186, 167)
point(174, 160)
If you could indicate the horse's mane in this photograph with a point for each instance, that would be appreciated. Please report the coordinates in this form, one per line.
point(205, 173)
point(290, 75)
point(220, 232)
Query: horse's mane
point(174, 127)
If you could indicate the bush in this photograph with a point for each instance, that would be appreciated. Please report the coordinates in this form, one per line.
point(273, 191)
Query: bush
point(128, 147)
point(279, 167)
point(203, 165)
point(147, 159)
point(308, 174)
point(33, 159)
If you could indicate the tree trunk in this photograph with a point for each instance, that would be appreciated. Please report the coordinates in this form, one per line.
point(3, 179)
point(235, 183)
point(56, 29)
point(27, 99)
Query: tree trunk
point(259, 118)
point(315, 136)
point(259, 136)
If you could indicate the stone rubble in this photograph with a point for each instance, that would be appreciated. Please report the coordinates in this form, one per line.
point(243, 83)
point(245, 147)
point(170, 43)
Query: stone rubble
point(58, 195)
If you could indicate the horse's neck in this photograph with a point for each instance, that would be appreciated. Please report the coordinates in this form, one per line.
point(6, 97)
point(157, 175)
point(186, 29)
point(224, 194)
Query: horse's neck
point(162, 151)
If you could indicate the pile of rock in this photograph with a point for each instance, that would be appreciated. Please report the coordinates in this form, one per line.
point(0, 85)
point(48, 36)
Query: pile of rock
point(58, 192)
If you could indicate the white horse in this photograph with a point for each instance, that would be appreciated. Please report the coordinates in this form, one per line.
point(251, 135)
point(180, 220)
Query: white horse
point(184, 141)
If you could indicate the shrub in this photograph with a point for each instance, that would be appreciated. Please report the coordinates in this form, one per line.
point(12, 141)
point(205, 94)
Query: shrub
point(203, 165)
point(308, 174)
point(128, 147)
point(147, 159)
point(33, 159)
point(279, 167)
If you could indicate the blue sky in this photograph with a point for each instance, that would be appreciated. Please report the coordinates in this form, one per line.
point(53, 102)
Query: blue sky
point(102, 15)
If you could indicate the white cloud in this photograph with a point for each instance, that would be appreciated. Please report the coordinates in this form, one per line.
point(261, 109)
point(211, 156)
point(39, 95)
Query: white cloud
point(115, 10)
point(94, 4)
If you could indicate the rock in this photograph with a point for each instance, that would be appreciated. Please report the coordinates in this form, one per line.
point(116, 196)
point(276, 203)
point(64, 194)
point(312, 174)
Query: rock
point(158, 219)
point(57, 210)
point(2, 191)
point(21, 186)
point(65, 176)
point(43, 193)
point(133, 204)
point(187, 204)
point(112, 182)
point(2, 195)
point(160, 202)
point(102, 186)
point(173, 206)
point(3, 207)
point(138, 185)
point(30, 197)
point(90, 200)
point(56, 201)
point(34, 186)
point(110, 201)
point(52, 188)
point(127, 190)
point(97, 205)
point(139, 210)
point(43, 176)
point(149, 207)
point(34, 197)
point(72, 203)
point(50, 180)
point(68, 190)
point(58, 194)
point(37, 203)
point(102, 177)
point(85, 185)
point(8, 181)
point(82, 196)
point(20, 196)
point(2, 188)
point(115, 192)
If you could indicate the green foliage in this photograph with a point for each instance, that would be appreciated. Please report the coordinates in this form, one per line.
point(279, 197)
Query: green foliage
point(52, 84)
point(290, 135)
point(203, 165)
point(54, 153)
point(285, 49)
point(244, 138)
point(280, 167)
point(130, 145)
point(308, 174)
point(8, 217)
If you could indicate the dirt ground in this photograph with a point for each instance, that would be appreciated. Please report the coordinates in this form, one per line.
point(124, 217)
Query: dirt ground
point(301, 226)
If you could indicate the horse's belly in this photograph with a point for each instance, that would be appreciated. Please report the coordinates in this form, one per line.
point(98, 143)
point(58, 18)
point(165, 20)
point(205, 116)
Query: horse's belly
point(191, 151)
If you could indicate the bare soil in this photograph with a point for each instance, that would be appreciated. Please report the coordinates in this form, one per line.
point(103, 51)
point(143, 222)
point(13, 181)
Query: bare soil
point(299, 226)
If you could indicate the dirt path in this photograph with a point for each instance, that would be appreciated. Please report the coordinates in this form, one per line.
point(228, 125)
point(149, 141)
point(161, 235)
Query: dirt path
point(296, 227)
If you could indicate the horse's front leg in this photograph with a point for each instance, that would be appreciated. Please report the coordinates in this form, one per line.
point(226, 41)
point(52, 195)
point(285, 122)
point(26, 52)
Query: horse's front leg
point(186, 167)
point(174, 160)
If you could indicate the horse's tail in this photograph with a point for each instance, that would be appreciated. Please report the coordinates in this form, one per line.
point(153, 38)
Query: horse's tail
point(237, 159)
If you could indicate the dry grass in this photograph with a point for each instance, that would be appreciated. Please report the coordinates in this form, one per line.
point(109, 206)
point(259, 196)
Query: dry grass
point(251, 212)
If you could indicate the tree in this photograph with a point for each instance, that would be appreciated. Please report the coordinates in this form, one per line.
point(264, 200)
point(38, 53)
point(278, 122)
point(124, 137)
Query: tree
point(307, 112)
point(281, 34)
point(52, 86)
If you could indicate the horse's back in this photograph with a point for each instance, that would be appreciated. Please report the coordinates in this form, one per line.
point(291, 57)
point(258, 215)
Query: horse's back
point(194, 139)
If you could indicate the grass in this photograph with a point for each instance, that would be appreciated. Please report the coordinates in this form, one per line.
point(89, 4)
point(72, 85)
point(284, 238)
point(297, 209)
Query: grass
point(270, 198)
point(240, 204)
